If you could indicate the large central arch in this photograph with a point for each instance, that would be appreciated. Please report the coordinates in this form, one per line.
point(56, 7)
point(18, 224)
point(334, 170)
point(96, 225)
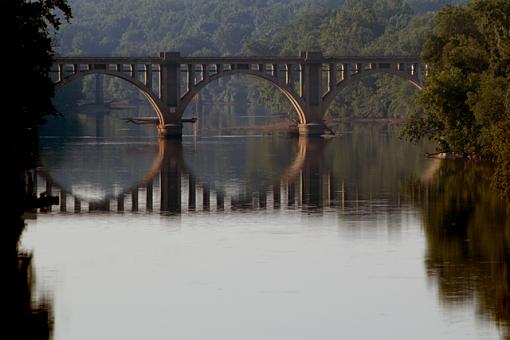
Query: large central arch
point(153, 100)
point(287, 91)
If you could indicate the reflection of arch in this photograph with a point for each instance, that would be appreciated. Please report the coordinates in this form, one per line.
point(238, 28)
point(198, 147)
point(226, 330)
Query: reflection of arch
point(330, 96)
point(170, 169)
point(288, 92)
point(295, 167)
point(146, 179)
point(155, 167)
point(153, 100)
point(168, 152)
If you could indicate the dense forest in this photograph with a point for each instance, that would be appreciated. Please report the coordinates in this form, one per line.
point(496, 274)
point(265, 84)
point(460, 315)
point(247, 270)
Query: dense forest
point(225, 27)
point(276, 27)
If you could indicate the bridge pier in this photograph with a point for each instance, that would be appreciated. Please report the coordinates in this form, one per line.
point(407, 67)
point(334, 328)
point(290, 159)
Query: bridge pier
point(312, 129)
point(99, 90)
point(170, 131)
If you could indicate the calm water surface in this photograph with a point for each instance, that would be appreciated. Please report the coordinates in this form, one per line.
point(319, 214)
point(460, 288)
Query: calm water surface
point(266, 237)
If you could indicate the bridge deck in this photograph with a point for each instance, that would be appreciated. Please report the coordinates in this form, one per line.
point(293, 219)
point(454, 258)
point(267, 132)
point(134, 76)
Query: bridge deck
point(232, 59)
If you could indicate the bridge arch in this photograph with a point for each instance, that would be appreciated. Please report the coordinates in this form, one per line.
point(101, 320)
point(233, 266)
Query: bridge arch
point(330, 96)
point(287, 91)
point(151, 97)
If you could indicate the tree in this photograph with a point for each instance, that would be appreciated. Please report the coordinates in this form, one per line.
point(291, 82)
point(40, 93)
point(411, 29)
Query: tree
point(465, 103)
point(28, 27)
point(468, 60)
point(27, 52)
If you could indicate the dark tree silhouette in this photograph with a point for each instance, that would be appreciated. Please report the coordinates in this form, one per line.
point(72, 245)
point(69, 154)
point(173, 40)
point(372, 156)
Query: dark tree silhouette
point(28, 28)
point(27, 52)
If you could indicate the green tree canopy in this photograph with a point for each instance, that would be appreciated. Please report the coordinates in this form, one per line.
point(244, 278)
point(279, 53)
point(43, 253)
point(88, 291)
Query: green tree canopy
point(465, 103)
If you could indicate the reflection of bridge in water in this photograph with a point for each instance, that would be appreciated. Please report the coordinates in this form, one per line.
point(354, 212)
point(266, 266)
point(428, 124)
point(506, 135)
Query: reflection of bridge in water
point(170, 186)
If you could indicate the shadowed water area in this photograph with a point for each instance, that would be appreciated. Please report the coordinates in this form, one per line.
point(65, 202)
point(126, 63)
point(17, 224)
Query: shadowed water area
point(266, 237)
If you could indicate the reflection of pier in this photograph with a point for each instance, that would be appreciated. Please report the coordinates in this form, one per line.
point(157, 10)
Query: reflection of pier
point(171, 187)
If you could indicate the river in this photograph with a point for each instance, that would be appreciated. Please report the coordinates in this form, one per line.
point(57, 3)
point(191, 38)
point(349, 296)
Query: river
point(267, 237)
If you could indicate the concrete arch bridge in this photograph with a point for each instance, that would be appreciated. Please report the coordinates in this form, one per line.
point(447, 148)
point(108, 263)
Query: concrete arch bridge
point(309, 81)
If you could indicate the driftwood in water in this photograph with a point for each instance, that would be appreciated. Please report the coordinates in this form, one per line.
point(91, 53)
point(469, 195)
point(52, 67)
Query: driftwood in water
point(153, 121)
point(142, 120)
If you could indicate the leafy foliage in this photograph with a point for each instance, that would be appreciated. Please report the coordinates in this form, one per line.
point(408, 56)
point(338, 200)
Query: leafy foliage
point(465, 102)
